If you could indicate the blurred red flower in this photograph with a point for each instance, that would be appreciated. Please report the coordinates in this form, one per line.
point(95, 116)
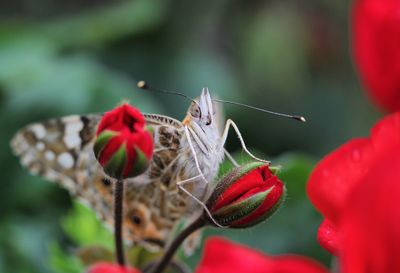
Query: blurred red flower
point(376, 43)
point(110, 268)
point(124, 145)
point(357, 189)
point(327, 236)
point(370, 226)
point(223, 256)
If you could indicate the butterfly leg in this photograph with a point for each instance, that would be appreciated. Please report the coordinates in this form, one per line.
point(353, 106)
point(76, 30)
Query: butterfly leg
point(196, 161)
point(197, 200)
point(189, 180)
point(194, 179)
point(230, 123)
point(231, 159)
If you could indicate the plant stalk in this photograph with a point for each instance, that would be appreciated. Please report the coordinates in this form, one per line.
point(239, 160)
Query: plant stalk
point(118, 213)
point(165, 260)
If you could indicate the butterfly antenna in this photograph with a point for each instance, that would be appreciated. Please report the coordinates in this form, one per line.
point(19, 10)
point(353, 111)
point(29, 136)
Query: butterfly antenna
point(299, 118)
point(145, 86)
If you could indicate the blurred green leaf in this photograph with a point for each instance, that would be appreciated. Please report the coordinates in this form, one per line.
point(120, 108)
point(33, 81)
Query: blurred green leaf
point(294, 172)
point(95, 27)
point(268, 49)
point(84, 228)
point(106, 24)
point(63, 262)
point(68, 84)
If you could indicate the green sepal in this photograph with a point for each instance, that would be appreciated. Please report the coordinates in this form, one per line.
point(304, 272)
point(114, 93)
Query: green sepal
point(275, 169)
point(230, 178)
point(102, 140)
point(244, 169)
point(140, 164)
point(116, 165)
point(239, 210)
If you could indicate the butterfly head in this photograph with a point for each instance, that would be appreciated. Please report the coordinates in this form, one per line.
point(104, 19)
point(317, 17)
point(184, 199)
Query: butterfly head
point(202, 111)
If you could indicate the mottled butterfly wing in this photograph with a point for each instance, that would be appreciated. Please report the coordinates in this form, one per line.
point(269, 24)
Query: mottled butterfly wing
point(54, 148)
point(61, 151)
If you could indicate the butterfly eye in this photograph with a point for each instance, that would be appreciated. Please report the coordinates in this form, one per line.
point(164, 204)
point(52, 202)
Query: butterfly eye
point(195, 112)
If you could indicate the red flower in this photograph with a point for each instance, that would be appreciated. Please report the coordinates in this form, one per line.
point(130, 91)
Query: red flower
point(223, 256)
point(124, 145)
point(328, 237)
point(246, 196)
point(110, 268)
point(350, 187)
point(370, 228)
point(376, 43)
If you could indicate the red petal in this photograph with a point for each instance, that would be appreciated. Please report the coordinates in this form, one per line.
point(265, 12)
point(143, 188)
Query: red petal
point(386, 134)
point(145, 143)
point(376, 43)
point(272, 198)
point(111, 120)
point(339, 174)
point(223, 256)
point(328, 237)
point(335, 176)
point(122, 117)
point(247, 182)
point(110, 268)
point(371, 223)
point(134, 117)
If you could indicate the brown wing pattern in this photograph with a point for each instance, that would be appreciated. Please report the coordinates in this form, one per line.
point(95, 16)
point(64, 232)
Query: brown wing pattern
point(61, 151)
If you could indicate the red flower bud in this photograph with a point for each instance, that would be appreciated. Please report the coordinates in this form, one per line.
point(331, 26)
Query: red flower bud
point(246, 196)
point(124, 145)
point(110, 268)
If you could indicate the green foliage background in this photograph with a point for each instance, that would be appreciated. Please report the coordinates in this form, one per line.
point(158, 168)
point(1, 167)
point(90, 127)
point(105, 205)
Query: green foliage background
point(68, 57)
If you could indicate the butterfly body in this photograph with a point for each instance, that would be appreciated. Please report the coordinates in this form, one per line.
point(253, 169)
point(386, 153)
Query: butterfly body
point(61, 150)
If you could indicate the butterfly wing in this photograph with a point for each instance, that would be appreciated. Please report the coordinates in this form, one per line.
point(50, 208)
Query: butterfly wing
point(53, 149)
point(61, 150)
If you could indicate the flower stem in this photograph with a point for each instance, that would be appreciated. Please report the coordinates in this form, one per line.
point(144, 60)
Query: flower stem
point(118, 212)
point(165, 260)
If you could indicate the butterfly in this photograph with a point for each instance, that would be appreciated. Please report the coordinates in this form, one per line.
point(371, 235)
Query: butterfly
point(181, 174)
